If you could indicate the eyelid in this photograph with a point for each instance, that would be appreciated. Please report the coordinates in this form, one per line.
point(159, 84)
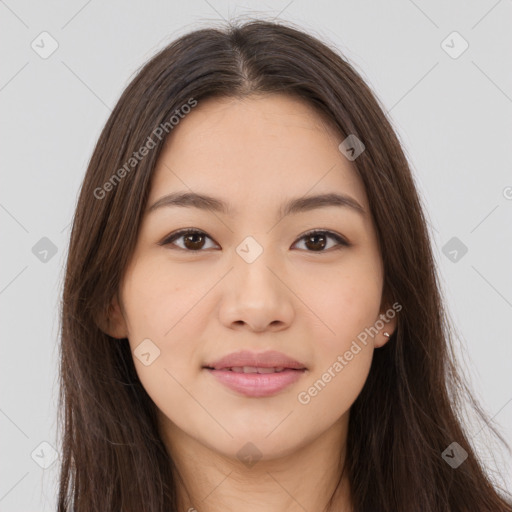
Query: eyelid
point(342, 241)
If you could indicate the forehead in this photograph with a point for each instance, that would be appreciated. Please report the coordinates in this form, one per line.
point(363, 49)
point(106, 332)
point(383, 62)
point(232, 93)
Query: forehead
point(259, 148)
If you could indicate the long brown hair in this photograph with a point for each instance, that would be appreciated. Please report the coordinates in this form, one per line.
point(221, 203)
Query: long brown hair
point(408, 412)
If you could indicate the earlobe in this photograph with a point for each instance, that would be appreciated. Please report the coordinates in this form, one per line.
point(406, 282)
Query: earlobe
point(386, 333)
point(383, 337)
point(113, 322)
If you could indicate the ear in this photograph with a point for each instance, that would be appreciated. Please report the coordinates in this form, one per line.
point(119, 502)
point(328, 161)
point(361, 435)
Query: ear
point(388, 316)
point(112, 322)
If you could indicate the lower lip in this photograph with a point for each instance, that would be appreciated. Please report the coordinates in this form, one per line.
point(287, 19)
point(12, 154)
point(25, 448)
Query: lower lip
point(257, 384)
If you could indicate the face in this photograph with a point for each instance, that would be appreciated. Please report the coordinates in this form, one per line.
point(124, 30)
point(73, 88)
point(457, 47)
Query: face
point(253, 278)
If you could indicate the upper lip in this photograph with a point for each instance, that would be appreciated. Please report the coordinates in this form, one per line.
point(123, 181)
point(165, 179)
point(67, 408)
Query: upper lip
point(268, 359)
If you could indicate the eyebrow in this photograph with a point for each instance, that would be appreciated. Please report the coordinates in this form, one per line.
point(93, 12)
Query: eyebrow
point(292, 206)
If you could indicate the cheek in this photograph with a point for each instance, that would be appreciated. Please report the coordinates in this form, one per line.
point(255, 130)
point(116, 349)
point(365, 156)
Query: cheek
point(156, 300)
point(332, 389)
point(347, 303)
point(170, 307)
point(162, 317)
point(342, 353)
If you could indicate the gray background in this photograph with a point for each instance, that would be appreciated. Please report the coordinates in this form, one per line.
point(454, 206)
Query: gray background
point(452, 113)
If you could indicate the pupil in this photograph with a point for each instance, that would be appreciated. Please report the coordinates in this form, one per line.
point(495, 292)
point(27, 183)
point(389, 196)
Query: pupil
point(191, 236)
point(322, 244)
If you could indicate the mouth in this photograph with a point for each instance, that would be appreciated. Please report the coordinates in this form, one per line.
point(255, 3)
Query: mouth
point(252, 369)
point(256, 374)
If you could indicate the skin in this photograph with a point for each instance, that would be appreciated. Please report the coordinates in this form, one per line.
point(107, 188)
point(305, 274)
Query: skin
point(200, 305)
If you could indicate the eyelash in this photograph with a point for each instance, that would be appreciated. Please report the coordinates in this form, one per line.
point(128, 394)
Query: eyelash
point(330, 234)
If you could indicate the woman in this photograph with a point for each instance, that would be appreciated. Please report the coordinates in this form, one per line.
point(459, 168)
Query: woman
point(251, 314)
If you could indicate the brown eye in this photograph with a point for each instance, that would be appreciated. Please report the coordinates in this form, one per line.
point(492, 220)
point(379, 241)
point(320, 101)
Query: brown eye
point(317, 241)
point(193, 239)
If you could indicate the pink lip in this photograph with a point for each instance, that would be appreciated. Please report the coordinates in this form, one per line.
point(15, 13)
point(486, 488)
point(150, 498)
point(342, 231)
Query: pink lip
point(256, 384)
point(268, 359)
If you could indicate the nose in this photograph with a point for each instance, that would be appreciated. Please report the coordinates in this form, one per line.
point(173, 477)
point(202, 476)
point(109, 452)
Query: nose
point(256, 296)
